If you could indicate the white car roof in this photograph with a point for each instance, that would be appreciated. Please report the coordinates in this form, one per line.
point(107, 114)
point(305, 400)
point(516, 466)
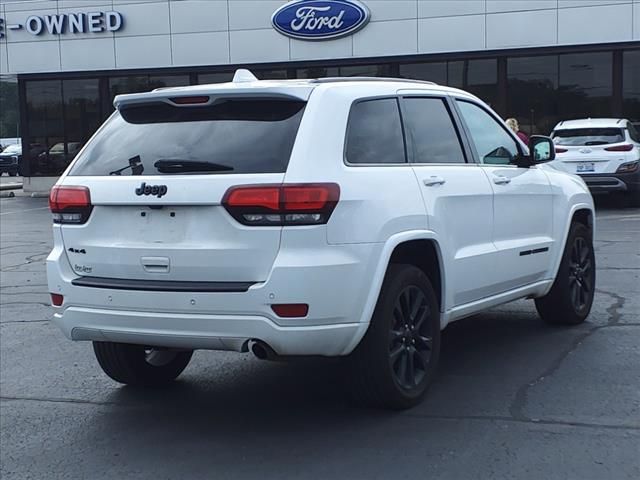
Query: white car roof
point(245, 84)
point(592, 122)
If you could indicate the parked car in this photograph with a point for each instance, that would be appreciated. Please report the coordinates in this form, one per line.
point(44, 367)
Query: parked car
point(298, 218)
point(605, 152)
point(10, 160)
point(58, 157)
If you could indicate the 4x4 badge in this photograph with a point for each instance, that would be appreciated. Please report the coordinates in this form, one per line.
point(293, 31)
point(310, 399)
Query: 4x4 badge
point(157, 190)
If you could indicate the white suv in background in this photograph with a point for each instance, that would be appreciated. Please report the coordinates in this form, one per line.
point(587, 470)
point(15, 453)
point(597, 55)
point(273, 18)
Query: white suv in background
point(605, 152)
point(335, 217)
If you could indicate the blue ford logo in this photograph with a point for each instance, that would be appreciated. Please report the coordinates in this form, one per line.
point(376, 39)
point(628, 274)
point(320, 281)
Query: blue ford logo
point(320, 19)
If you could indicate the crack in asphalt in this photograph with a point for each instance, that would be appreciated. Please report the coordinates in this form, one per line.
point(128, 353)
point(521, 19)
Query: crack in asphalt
point(491, 418)
point(44, 304)
point(23, 321)
point(517, 407)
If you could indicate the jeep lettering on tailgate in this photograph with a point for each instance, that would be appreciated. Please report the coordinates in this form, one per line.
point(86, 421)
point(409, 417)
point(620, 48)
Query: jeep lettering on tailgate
point(157, 190)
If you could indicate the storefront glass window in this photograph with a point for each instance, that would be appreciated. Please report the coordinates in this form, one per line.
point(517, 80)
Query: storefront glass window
point(270, 74)
point(317, 72)
point(132, 84)
point(207, 78)
point(585, 86)
point(82, 117)
point(160, 81)
point(383, 70)
point(432, 72)
point(46, 128)
point(631, 85)
point(479, 77)
point(532, 84)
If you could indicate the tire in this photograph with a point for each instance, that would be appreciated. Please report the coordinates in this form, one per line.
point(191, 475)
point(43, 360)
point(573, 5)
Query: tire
point(140, 365)
point(403, 337)
point(13, 173)
point(570, 299)
point(633, 199)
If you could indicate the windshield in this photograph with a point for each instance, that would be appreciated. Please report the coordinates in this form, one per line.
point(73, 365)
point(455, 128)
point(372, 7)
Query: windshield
point(230, 136)
point(57, 148)
point(588, 136)
point(15, 148)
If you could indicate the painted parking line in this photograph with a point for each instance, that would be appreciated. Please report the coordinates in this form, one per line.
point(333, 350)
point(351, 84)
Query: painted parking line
point(27, 210)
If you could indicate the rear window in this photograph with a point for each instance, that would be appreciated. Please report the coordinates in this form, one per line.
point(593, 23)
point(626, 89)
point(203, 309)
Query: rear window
point(230, 136)
point(588, 136)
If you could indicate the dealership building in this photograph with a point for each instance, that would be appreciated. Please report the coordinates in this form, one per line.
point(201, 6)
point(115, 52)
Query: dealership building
point(540, 61)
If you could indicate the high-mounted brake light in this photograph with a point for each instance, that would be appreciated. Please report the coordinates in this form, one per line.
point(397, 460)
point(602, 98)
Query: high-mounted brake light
point(70, 204)
point(274, 205)
point(627, 147)
point(197, 100)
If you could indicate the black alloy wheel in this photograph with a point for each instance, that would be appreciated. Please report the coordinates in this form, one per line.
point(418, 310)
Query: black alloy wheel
point(411, 339)
point(580, 274)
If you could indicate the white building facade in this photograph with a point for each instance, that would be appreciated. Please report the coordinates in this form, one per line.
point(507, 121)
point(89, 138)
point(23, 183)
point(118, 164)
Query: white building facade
point(537, 60)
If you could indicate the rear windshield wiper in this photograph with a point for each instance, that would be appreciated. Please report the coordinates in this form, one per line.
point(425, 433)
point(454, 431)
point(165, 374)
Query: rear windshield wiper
point(190, 166)
point(595, 142)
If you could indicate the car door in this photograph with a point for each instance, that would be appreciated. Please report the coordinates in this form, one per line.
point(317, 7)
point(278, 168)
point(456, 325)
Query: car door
point(522, 203)
point(457, 196)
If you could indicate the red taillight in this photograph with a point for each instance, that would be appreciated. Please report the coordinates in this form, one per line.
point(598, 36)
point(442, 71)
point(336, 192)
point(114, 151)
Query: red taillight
point(620, 148)
point(291, 310)
point(70, 204)
point(199, 100)
point(561, 150)
point(56, 299)
point(273, 205)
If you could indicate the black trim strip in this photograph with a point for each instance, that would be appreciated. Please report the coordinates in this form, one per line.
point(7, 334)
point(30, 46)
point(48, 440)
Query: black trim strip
point(532, 252)
point(161, 285)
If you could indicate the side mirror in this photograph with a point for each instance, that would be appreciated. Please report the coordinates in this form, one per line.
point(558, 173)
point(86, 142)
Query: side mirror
point(542, 149)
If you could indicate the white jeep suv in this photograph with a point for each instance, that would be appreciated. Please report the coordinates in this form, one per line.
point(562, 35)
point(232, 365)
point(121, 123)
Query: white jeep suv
point(334, 217)
point(605, 152)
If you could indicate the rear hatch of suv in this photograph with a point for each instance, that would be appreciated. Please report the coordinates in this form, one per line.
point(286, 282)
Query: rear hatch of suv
point(591, 150)
point(148, 189)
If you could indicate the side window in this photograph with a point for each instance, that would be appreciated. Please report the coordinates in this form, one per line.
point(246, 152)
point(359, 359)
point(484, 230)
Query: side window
point(493, 144)
point(633, 132)
point(374, 132)
point(431, 133)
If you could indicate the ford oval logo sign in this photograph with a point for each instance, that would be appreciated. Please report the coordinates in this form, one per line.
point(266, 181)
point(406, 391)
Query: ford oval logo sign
point(320, 19)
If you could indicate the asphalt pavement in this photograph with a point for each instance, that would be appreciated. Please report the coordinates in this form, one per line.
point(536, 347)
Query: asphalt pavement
point(515, 399)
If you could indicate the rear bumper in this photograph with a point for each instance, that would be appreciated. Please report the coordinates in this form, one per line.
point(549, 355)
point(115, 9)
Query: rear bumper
point(334, 281)
point(199, 331)
point(613, 182)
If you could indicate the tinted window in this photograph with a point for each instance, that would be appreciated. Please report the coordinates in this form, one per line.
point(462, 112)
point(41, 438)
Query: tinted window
point(374, 133)
point(588, 136)
point(586, 85)
point(631, 85)
point(232, 136)
point(532, 92)
point(492, 142)
point(431, 133)
point(479, 77)
point(633, 132)
point(432, 72)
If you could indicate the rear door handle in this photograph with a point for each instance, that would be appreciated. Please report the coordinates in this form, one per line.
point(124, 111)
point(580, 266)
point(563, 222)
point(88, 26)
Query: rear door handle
point(501, 180)
point(433, 181)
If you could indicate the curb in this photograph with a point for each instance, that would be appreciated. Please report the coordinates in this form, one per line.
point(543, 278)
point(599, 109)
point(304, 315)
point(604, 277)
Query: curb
point(11, 186)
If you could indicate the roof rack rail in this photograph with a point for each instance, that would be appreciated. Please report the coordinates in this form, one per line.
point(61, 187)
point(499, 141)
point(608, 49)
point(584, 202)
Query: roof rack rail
point(368, 79)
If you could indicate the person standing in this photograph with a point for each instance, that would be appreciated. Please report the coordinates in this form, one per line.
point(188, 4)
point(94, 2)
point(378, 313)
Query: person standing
point(512, 123)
